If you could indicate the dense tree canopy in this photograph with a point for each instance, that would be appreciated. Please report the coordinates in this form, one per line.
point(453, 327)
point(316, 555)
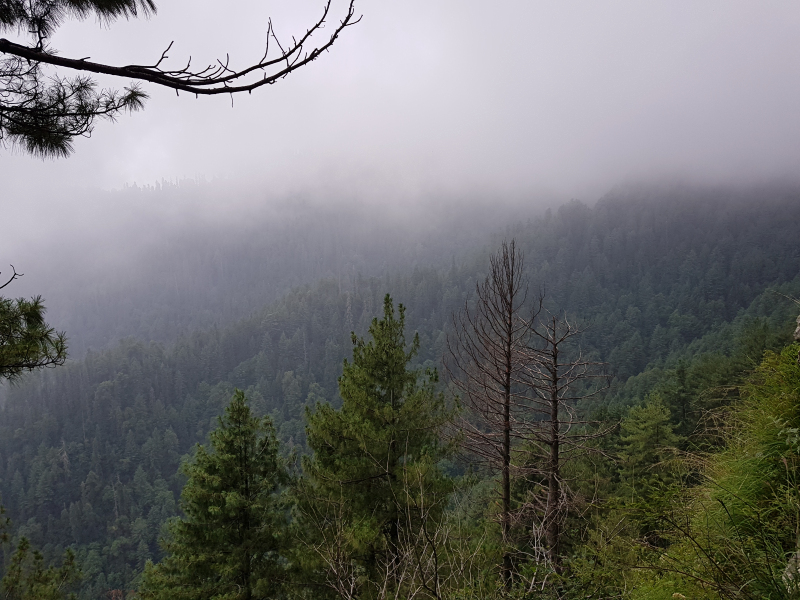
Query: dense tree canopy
point(91, 450)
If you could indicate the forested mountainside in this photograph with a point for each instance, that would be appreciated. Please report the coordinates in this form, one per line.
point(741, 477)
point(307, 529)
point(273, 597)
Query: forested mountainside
point(157, 280)
point(674, 285)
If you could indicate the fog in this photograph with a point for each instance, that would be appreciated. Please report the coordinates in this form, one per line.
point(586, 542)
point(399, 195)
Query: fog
point(418, 112)
point(111, 269)
point(420, 97)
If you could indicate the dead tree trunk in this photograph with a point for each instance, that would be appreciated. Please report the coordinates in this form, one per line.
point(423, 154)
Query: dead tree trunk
point(559, 378)
point(487, 357)
point(553, 528)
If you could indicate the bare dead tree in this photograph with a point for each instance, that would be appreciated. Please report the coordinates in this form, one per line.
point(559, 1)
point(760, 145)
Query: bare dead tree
point(522, 377)
point(558, 377)
point(332, 543)
point(44, 113)
point(488, 356)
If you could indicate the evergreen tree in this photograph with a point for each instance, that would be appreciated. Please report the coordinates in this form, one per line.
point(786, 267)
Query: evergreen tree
point(374, 491)
point(648, 441)
point(26, 341)
point(681, 397)
point(27, 577)
point(230, 542)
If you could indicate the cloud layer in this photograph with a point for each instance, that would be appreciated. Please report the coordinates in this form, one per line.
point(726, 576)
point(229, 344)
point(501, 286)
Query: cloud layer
point(569, 96)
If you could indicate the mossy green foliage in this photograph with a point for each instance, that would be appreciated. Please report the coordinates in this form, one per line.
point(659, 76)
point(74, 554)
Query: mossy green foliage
point(230, 543)
point(722, 524)
point(744, 524)
point(28, 577)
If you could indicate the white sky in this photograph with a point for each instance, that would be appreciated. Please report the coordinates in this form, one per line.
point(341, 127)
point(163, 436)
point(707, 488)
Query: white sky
point(456, 96)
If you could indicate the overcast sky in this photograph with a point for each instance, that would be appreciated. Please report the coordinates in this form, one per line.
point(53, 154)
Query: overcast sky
point(456, 96)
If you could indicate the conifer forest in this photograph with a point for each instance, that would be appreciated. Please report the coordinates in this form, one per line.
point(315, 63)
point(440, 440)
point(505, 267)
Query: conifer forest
point(593, 401)
point(399, 300)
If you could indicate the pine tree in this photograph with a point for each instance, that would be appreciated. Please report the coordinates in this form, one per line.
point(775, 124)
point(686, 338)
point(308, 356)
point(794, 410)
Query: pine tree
point(648, 467)
point(648, 440)
point(230, 543)
point(44, 113)
point(27, 342)
point(374, 491)
point(28, 578)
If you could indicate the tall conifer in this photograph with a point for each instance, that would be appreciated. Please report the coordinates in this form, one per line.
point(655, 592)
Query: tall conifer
point(648, 440)
point(229, 544)
point(373, 487)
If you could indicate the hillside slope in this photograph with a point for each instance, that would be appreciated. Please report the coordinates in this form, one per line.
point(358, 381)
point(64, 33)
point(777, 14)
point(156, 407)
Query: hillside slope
point(90, 451)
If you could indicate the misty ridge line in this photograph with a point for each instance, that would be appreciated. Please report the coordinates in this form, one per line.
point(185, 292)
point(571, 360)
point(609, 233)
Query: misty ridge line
point(139, 261)
point(641, 101)
point(156, 279)
point(187, 274)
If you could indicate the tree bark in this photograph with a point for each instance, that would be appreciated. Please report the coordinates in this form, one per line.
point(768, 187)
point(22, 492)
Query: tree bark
point(507, 475)
point(487, 354)
point(552, 520)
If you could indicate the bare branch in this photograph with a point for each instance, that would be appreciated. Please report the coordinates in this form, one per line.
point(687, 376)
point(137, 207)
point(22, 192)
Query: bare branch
point(14, 276)
point(43, 113)
point(523, 378)
point(211, 80)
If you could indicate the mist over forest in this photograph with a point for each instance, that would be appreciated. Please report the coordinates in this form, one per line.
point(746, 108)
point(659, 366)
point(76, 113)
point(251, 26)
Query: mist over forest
point(135, 265)
point(681, 289)
point(399, 301)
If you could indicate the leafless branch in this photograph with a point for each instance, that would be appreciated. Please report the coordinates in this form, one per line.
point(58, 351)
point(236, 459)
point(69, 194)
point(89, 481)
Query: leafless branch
point(523, 377)
point(14, 276)
point(213, 79)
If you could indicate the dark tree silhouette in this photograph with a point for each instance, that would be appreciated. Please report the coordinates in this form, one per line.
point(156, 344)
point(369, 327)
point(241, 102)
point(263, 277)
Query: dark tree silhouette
point(43, 113)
